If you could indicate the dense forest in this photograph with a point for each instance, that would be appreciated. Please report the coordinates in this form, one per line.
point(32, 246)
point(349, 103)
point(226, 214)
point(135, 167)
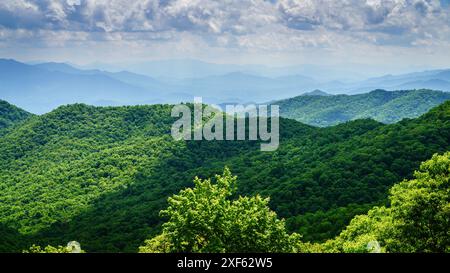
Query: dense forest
point(101, 175)
point(319, 109)
point(208, 218)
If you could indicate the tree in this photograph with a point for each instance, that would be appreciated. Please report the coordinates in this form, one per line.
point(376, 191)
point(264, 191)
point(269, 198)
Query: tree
point(206, 219)
point(418, 219)
point(72, 247)
point(421, 208)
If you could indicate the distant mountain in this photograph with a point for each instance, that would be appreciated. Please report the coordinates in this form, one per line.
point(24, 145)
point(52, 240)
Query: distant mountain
point(246, 87)
point(435, 84)
point(431, 79)
point(188, 68)
point(316, 92)
point(255, 85)
point(383, 106)
point(10, 115)
point(41, 88)
point(124, 76)
point(191, 68)
point(63, 67)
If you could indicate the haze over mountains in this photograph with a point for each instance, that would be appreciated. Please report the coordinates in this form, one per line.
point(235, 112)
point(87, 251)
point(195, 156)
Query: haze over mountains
point(41, 87)
point(191, 68)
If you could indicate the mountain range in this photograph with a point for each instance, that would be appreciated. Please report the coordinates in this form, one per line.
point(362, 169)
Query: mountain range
point(42, 87)
point(351, 78)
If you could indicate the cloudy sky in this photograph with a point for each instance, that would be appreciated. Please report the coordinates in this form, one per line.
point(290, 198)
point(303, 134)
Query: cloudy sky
point(403, 33)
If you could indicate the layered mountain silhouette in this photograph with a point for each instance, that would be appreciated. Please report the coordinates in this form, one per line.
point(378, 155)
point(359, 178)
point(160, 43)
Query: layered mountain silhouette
point(40, 88)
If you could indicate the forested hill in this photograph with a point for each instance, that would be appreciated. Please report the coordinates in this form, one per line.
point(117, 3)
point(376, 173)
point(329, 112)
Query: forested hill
point(10, 114)
point(101, 175)
point(380, 105)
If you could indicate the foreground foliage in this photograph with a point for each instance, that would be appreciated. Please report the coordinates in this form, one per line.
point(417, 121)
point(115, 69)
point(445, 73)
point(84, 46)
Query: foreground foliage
point(418, 219)
point(71, 247)
point(205, 219)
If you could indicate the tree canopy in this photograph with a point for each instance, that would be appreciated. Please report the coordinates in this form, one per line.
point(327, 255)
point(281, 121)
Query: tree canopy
point(206, 219)
point(417, 220)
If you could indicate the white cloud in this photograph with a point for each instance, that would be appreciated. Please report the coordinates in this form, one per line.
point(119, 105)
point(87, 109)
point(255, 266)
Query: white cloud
point(387, 18)
point(385, 21)
point(258, 25)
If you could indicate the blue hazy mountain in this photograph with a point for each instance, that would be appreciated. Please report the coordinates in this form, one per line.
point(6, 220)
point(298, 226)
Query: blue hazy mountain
point(431, 79)
point(189, 68)
point(238, 86)
point(334, 79)
point(124, 76)
point(41, 88)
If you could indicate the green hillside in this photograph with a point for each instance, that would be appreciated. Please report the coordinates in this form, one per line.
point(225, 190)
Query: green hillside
point(380, 105)
point(101, 175)
point(416, 220)
point(10, 115)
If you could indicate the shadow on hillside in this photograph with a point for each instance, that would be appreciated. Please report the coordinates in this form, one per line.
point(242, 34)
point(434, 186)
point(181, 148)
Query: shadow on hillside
point(11, 240)
point(120, 221)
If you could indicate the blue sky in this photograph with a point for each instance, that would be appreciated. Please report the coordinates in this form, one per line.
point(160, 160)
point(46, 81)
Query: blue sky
point(390, 33)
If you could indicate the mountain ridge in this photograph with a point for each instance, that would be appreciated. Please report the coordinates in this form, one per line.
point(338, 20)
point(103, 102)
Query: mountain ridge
point(381, 105)
point(40, 90)
point(41, 87)
point(11, 115)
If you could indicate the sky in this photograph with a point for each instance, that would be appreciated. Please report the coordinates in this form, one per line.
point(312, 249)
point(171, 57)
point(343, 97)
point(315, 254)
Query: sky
point(386, 33)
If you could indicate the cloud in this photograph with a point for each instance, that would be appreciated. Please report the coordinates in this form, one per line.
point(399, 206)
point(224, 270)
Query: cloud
point(131, 16)
point(280, 25)
point(388, 19)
